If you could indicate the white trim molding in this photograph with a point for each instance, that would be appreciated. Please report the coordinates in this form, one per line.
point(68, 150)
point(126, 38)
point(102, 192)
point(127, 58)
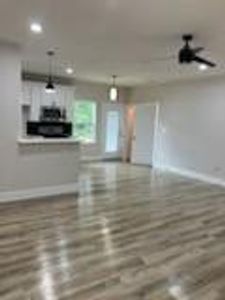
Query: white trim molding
point(39, 192)
point(87, 159)
point(193, 175)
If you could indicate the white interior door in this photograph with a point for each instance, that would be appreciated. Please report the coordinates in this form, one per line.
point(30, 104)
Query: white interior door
point(143, 135)
point(112, 130)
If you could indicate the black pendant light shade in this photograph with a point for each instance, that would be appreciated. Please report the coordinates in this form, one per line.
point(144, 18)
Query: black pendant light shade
point(50, 88)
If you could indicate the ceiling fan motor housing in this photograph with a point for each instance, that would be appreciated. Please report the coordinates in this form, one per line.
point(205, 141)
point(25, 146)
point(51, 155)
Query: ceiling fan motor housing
point(186, 56)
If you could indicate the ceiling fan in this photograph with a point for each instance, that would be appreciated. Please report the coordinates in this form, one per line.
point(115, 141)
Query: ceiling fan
point(188, 55)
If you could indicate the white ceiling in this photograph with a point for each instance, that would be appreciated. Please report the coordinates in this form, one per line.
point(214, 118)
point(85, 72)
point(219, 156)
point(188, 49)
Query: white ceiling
point(124, 37)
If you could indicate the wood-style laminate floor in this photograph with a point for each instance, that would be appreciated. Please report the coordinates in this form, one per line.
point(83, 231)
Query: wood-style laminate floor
point(132, 234)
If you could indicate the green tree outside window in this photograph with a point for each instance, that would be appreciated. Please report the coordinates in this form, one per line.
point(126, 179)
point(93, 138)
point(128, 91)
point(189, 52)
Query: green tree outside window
point(84, 121)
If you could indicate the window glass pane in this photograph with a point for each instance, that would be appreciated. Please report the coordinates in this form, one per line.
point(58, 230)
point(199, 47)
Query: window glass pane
point(112, 132)
point(84, 121)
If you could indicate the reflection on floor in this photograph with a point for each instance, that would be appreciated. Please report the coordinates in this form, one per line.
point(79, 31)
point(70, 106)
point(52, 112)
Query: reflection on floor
point(131, 234)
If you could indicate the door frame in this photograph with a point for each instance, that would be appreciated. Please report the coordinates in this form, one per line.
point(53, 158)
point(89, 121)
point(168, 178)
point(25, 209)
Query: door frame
point(112, 107)
point(155, 132)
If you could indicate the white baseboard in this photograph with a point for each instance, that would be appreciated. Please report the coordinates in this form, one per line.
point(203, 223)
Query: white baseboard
point(86, 159)
point(194, 175)
point(90, 159)
point(39, 192)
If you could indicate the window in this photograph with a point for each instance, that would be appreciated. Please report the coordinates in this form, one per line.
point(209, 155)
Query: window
point(84, 121)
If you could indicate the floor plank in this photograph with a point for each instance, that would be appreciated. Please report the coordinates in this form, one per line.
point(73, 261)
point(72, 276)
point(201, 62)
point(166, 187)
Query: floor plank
point(132, 233)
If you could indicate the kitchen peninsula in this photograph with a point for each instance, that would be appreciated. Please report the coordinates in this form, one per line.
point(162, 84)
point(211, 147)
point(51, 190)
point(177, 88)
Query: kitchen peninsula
point(51, 157)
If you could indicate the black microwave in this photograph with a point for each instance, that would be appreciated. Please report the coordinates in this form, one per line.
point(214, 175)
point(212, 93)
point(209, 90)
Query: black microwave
point(49, 129)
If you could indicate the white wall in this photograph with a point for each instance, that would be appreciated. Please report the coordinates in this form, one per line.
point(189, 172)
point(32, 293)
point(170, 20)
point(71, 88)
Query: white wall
point(191, 135)
point(27, 168)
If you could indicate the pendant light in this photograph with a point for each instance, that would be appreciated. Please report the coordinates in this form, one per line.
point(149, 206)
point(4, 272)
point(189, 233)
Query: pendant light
point(50, 88)
point(113, 91)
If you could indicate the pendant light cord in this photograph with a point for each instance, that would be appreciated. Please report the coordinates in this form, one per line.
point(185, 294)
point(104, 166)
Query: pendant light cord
point(50, 55)
point(114, 80)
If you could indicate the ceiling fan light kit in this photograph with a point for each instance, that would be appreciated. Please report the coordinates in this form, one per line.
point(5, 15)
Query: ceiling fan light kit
point(203, 67)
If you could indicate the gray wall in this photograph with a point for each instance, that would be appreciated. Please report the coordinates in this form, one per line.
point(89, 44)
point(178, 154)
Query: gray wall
point(98, 93)
point(26, 167)
point(37, 169)
point(191, 132)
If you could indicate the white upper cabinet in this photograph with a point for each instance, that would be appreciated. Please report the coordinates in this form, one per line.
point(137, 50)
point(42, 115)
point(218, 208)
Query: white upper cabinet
point(26, 94)
point(34, 95)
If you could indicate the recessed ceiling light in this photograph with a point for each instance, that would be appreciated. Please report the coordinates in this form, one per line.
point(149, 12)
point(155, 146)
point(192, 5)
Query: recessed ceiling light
point(36, 28)
point(203, 67)
point(69, 71)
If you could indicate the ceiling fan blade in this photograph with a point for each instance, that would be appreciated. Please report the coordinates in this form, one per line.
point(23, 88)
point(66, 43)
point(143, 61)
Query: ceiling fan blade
point(204, 61)
point(197, 50)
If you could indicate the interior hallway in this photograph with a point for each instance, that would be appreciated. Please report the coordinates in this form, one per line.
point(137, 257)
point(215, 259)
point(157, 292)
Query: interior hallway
point(131, 234)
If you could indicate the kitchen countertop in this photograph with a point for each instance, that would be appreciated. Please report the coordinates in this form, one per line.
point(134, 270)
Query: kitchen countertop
point(46, 141)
